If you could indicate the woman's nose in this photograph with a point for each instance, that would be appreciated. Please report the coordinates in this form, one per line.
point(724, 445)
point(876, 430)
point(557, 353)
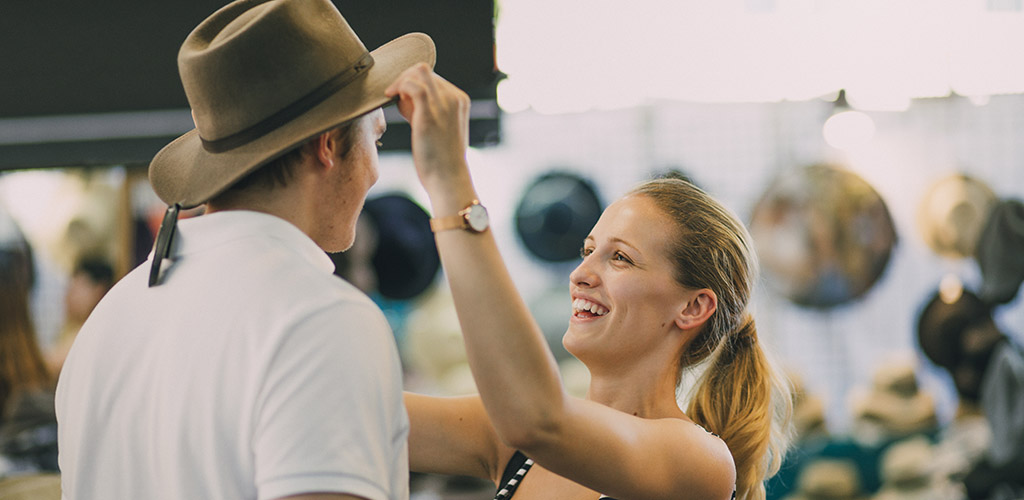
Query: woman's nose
point(583, 275)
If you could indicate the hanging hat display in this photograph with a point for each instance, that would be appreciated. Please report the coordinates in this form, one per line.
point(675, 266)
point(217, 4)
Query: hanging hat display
point(823, 235)
point(394, 253)
point(941, 324)
point(405, 260)
point(555, 215)
point(958, 333)
point(952, 213)
point(1000, 252)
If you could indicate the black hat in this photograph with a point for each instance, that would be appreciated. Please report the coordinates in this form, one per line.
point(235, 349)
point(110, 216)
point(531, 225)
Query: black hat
point(406, 259)
point(555, 215)
point(399, 249)
point(959, 334)
point(1000, 252)
point(942, 323)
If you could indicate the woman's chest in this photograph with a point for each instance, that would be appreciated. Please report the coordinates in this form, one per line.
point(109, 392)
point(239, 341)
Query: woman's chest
point(542, 484)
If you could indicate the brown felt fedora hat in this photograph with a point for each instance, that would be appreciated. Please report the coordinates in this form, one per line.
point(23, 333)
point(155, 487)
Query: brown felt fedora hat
point(263, 76)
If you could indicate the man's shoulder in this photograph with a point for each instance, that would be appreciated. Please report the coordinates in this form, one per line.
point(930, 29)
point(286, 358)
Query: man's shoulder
point(260, 280)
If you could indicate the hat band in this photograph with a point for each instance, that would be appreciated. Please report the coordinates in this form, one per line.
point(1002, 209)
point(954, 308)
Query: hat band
point(292, 111)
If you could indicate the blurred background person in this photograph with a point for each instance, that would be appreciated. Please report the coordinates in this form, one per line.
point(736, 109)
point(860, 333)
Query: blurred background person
point(90, 280)
point(28, 425)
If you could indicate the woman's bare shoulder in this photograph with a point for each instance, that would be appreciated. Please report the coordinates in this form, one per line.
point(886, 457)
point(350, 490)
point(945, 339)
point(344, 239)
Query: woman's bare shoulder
point(701, 448)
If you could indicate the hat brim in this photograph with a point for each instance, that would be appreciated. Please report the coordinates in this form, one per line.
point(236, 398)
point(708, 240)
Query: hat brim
point(184, 172)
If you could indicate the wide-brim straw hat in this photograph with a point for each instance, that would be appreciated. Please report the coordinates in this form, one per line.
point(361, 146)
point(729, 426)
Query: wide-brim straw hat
point(829, 478)
point(894, 403)
point(263, 76)
point(952, 214)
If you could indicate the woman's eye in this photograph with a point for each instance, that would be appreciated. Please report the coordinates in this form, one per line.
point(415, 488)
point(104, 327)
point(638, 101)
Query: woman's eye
point(619, 256)
point(584, 252)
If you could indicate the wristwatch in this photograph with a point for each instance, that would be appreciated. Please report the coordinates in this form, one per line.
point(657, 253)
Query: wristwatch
point(473, 218)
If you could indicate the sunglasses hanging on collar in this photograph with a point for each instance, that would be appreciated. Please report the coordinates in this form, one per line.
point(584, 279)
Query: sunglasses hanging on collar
point(164, 238)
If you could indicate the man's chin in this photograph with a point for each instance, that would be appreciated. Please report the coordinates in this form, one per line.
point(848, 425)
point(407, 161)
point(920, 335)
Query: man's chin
point(336, 246)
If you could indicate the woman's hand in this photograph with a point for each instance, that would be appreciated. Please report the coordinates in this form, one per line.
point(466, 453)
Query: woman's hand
point(438, 113)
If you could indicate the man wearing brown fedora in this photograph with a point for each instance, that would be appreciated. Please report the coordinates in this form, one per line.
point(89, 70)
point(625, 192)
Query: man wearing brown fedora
point(234, 364)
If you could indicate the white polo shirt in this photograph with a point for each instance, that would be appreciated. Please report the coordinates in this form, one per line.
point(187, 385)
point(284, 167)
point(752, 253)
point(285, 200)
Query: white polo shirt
point(250, 372)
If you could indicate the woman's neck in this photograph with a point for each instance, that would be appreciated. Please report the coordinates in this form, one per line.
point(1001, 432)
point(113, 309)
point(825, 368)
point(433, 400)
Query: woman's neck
point(643, 395)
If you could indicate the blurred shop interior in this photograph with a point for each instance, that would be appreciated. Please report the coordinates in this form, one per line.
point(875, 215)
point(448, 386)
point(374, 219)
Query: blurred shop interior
point(875, 149)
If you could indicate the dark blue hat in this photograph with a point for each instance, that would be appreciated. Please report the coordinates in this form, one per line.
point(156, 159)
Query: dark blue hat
point(394, 254)
point(406, 260)
point(555, 215)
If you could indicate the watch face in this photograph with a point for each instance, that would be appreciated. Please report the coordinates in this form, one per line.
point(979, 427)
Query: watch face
point(477, 218)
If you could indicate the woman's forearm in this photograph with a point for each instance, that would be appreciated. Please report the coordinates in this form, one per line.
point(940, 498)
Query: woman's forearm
point(515, 372)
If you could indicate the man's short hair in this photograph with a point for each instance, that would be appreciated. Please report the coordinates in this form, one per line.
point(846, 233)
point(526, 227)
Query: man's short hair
point(279, 171)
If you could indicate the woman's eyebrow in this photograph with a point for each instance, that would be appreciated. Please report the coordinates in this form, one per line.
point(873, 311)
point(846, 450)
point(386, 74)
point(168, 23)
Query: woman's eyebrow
point(624, 242)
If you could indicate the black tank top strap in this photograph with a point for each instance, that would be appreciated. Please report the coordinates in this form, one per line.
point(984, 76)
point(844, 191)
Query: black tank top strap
point(513, 474)
point(517, 467)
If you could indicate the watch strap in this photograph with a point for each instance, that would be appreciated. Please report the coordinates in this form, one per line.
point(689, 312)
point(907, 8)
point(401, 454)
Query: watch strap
point(463, 220)
point(438, 224)
point(458, 221)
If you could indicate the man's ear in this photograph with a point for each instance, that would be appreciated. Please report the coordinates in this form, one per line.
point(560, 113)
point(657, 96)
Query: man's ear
point(698, 308)
point(326, 149)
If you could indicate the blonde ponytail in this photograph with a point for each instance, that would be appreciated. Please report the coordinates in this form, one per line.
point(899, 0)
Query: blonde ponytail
point(744, 399)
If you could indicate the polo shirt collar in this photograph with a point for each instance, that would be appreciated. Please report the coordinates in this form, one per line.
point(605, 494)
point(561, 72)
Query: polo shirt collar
point(207, 231)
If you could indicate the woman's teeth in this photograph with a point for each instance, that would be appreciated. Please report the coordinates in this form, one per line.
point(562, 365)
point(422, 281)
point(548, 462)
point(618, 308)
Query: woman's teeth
point(582, 305)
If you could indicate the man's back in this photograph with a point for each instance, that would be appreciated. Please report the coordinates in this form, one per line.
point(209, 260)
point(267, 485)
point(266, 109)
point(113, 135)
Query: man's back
point(250, 372)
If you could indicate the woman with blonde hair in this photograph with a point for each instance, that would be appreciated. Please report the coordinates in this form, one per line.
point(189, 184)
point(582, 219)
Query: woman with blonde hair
point(663, 286)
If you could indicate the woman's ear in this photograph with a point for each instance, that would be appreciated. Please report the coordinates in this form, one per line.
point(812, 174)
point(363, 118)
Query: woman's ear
point(700, 305)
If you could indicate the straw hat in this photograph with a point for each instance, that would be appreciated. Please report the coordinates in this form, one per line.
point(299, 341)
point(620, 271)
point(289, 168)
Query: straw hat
point(261, 77)
point(893, 406)
point(908, 464)
point(952, 214)
point(828, 479)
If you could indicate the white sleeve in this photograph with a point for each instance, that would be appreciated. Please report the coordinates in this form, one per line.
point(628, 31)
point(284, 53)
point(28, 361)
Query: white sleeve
point(329, 416)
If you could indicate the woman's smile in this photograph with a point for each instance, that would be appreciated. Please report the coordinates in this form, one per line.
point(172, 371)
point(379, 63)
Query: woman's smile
point(585, 309)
